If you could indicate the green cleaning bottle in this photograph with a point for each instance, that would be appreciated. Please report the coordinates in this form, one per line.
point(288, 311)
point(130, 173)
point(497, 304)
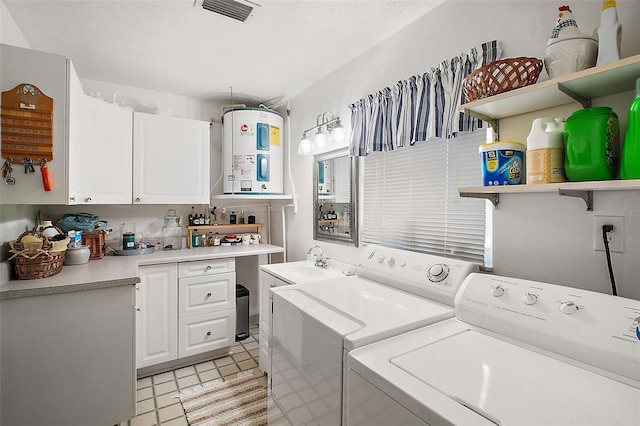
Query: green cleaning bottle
point(630, 165)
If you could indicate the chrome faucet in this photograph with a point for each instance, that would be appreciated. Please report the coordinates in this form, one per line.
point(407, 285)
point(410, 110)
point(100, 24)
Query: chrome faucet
point(321, 261)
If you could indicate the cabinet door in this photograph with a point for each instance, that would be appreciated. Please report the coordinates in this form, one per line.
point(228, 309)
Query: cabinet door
point(266, 282)
point(157, 321)
point(170, 160)
point(53, 75)
point(100, 154)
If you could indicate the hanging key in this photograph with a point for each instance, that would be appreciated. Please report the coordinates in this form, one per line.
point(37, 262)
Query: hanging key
point(9, 180)
point(28, 165)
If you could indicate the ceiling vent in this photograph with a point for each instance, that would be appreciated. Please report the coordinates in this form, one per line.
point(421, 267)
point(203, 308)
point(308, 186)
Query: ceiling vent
point(229, 8)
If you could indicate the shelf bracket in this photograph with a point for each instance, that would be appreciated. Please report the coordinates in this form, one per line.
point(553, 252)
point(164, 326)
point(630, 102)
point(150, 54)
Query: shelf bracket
point(492, 121)
point(491, 196)
point(586, 103)
point(587, 196)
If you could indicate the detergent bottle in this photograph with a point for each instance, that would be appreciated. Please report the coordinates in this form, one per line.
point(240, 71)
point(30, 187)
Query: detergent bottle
point(545, 151)
point(609, 34)
point(630, 163)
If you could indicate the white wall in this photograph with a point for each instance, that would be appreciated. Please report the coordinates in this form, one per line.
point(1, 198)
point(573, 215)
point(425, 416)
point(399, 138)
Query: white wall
point(562, 255)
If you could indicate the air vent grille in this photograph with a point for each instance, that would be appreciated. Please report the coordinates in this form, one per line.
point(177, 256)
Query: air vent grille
point(229, 8)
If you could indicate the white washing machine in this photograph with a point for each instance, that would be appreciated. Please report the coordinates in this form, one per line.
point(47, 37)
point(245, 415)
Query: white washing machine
point(316, 324)
point(517, 352)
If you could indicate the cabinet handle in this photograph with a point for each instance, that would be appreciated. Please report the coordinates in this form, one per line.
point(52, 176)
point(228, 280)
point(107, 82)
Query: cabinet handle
point(208, 295)
point(88, 199)
point(208, 333)
point(208, 267)
point(72, 198)
point(137, 308)
point(137, 199)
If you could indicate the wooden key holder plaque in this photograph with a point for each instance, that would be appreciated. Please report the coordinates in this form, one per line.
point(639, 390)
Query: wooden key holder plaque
point(27, 124)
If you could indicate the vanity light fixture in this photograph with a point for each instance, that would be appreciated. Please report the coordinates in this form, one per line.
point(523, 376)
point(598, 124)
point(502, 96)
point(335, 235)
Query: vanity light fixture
point(329, 132)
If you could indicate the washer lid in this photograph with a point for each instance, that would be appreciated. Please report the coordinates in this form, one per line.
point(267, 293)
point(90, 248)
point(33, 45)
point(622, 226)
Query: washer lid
point(383, 311)
point(508, 384)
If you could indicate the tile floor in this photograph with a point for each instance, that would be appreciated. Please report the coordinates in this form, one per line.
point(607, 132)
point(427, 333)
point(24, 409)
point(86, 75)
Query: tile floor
point(157, 401)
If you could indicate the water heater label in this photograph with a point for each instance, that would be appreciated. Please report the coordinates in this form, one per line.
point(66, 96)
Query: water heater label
point(274, 136)
point(245, 165)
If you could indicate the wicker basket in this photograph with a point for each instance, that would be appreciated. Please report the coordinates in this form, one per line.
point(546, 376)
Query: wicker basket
point(32, 262)
point(501, 76)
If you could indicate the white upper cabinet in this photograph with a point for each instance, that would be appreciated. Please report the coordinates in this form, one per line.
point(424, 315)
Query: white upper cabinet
point(100, 153)
point(170, 160)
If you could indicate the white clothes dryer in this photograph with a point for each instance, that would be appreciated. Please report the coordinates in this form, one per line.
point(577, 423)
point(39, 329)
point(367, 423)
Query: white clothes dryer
point(518, 352)
point(316, 324)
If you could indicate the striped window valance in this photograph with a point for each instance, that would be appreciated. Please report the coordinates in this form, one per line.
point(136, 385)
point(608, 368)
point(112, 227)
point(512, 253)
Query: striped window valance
point(418, 108)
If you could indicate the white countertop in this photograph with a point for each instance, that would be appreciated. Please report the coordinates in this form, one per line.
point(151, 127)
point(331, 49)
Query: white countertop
point(113, 271)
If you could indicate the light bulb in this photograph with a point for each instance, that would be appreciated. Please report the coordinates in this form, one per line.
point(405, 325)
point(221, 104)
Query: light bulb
point(338, 135)
point(320, 140)
point(305, 146)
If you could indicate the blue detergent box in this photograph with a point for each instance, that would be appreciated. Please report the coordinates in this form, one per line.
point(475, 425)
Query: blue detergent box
point(502, 163)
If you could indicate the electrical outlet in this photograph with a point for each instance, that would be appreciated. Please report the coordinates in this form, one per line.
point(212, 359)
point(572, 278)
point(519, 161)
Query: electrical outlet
point(615, 237)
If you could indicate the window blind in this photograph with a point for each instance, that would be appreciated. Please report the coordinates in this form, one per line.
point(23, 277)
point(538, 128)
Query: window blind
point(411, 201)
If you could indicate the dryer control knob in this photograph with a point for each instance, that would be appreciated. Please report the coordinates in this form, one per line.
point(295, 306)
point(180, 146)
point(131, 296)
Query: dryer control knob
point(568, 307)
point(391, 261)
point(529, 299)
point(380, 258)
point(438, 272)
point(497, 291)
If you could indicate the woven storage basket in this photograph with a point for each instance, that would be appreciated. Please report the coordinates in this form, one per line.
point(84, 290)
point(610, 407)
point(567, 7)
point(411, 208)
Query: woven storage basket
point(501, 76)
point(32, 262)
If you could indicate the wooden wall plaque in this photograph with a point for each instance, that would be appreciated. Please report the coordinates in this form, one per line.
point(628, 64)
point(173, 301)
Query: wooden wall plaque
point(27, 124)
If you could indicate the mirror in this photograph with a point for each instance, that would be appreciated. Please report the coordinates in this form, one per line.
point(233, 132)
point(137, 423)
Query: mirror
point(335, 195)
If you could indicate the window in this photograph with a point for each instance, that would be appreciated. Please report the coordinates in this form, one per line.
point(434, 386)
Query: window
point(411, 201)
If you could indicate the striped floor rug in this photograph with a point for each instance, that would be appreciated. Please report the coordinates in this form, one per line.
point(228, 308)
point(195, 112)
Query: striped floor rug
point(236, 402)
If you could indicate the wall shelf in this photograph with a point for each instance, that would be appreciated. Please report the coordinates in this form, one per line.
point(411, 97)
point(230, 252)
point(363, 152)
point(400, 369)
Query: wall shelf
point(239, 227)
point(582, 86)
point(251, 197)
point(582, 190)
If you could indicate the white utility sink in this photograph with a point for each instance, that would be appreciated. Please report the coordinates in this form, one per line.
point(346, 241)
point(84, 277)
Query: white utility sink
point(305, 271)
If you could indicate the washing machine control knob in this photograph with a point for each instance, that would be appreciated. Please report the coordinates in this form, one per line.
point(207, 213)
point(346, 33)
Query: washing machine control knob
point(497, 291)
point(568, 307)
point(529, 299)
point(381, 258)
point(438, 272)
point(391, 262)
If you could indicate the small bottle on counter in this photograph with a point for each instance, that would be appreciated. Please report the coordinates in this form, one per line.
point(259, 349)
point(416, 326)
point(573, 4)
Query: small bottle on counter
point(232, 218)
point(195, 238)
point(192, 216)
point(216, 240)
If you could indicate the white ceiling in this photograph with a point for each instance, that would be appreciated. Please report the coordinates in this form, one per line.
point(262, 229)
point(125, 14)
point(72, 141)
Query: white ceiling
point(176, 46)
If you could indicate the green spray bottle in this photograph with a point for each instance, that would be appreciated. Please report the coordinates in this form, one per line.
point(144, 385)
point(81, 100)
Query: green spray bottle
point(630, 164)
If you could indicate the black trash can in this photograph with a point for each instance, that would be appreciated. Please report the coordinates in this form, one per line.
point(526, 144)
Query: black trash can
point(242, 312)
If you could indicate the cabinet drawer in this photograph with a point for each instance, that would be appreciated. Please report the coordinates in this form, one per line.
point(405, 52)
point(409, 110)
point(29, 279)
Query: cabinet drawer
point(206, 294)
point(206, 267)
point(206, 332)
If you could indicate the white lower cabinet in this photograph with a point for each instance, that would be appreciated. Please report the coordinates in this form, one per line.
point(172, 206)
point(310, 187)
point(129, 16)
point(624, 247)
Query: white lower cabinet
point(185, 309)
